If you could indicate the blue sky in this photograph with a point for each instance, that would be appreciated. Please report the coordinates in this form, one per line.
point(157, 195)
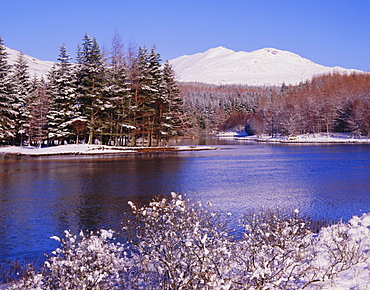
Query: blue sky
point(327, 32)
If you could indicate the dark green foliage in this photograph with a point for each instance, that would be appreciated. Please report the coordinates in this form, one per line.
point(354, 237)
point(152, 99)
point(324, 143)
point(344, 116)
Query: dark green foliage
point(117, 111)
point(6, 95)
point(90, 83)
point(61, 88)
point(22, 88)
point(172, 112)
point(127, 97)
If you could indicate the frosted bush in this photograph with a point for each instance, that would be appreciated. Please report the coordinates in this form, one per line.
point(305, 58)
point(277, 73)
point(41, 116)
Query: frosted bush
point(339, 248)
point(181, 244)
point(33, 282)
point(82, 262)
point(273, 251)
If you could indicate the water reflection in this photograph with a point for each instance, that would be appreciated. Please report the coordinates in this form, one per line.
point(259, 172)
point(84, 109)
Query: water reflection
point(322, 181)
point(43, 196)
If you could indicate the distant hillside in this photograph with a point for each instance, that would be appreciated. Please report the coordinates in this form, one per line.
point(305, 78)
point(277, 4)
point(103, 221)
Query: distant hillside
point(266, 66)
point(36, 67)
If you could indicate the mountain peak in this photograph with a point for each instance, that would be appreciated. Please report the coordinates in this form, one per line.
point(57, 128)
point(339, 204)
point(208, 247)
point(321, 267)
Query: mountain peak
point(220, 49)
point(273, 51)
point(266, 66)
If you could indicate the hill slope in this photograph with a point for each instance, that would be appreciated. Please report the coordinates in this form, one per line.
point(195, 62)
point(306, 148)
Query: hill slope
point(266, 66)
point(36, 67)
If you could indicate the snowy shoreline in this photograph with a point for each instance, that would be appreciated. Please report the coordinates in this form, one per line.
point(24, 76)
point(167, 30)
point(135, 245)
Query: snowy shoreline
point(322, 138)
point(85, 149)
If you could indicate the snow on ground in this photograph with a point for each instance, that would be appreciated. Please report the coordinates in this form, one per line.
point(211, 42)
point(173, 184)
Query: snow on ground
point(310, 138)
point(357, 234)
point(92, 149)
point(230, 134)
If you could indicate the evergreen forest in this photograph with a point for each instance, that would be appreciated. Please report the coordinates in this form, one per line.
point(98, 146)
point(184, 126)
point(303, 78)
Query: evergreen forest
point(127, 96)
point(114, 98)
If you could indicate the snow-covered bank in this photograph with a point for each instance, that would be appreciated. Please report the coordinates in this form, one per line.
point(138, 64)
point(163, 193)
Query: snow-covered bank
point(231, 134)
point(93, 149)
point(343, 138)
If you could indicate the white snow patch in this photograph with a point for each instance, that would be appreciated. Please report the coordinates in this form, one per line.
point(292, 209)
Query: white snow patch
point(92, 149)
point(36, 67)
point(231, 134)
point(310, 138)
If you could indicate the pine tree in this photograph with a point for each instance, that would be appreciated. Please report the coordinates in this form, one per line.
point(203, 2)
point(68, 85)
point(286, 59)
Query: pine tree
point(6, 111)
point(90, 84)
point(22, 88)
point(61, 88)
point(146, 93)
point(117, 92)
point(155, 100)
point(173, 117)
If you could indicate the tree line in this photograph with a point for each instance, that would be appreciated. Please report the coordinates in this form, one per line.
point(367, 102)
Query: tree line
point(129, 97)
point(221, 107)
point(333, 102)
point(328, 103)
point(119, 98)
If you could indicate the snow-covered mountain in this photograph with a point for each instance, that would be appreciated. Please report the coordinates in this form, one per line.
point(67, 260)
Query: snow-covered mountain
point(36, 67)
point(267, 66)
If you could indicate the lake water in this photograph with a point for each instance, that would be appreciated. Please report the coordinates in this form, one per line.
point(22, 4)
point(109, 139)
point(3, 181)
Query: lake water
point(42, 196)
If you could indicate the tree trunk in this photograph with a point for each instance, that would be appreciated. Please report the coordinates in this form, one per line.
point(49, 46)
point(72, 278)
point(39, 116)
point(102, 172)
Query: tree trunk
point(91, 137)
